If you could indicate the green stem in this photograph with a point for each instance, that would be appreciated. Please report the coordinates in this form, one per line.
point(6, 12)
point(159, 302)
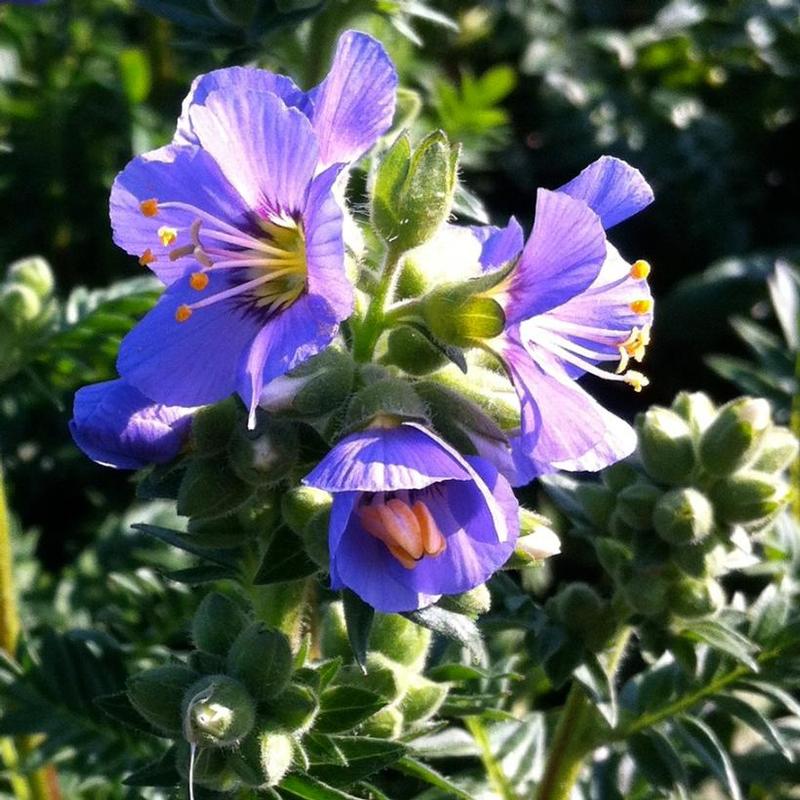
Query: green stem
point(498, 778)
point(795, 425)
point(370, 329)
point(9, 619)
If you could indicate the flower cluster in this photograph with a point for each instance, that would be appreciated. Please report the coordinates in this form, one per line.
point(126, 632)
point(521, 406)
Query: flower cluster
point(243, 218)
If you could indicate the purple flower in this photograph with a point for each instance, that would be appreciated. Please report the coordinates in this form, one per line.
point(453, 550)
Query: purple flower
point(117, 426)
point(238, 217)
point(412, 519)
point(572, 303)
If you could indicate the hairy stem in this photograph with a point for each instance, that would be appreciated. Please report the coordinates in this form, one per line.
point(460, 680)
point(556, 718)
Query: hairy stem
point(499, 780)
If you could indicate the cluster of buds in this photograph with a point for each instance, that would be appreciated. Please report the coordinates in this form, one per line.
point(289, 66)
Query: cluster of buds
point(27, 311)
point(670, 521)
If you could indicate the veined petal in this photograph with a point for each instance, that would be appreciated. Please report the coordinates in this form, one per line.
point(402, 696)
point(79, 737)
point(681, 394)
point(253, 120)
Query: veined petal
point(563, 427)
point(323, 220)
point(284, 342)
point(499, 245)
point(355, 103)
point(561, 258)
point(388, 459)
point(267, 151)
point(117, 426)
point(193, 362)
point(612, 188)
point(234, 80)
point(171, 174)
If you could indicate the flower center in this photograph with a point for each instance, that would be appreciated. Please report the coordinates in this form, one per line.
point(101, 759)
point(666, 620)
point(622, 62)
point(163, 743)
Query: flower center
point(268, 268)
point(408, 530)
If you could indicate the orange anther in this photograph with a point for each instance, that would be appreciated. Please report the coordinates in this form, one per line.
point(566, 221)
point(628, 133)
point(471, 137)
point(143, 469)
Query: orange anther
point(641, 306)
point(198, 281)
point(182, 313)
point(149, 207)
point(432, 539)
point(167, 235)
point(147, 257)
point(640, 270)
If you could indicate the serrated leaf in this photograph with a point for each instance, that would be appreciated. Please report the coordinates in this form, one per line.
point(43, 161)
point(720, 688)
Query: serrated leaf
point(707, 747)
point(452, 626)
point(344, 707)
point(284, 560)
point(358, 618)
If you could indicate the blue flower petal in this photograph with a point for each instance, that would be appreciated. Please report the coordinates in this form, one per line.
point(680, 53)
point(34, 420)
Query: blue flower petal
point(355, 103)
point(612, 188)
point(499, 245)
point(117, 426)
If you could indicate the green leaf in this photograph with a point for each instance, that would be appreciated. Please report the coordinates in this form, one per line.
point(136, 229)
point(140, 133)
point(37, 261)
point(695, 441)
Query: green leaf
point(410, 766)
point(185, 543)
point(724, 639)
point(284, 560)
point(119, 708)
point(600, 686)
point(211, 489)
point(757, 721)
point(769, 614)
point(658, 760)
point(457, 672)
point(159, 773)
point(202, 574)
point(364, 756)
point(358, 617)
point(344, 707)
point(784, 291)
point(707, 747)
point(308, 788)
point(452, 626)
point(774, 693)
point(135, 74)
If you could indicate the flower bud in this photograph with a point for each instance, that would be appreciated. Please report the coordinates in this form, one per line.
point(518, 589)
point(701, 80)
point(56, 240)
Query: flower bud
point(385, 724)
point(539, 545)
point(212, 426)
point(690, 598)
point(388, 398)
point(614, 557)
point(20, 304)
point(295, 709)
point(696, 408)
point(635, 504)
point(156, 694)
point(682, 516)
point(216, 624)
point(734, 438)
point(268, 753)
point(422, 699)
point(665, 445)
point(596, 502)
point(315, 388)
point(333, 635)
point(265, 455)
point(413, 192)
point(646, 591)
point(412, 351)
point(748, 498)
point(778, 451)
point(400, 640)
point(472, 604)
point(300, 504)
point(620, 529)
point(33, 272)
point(456, 315)
point(693, 558)
point(218, 711)
point(579, 608)
point(617, 476)
point(261, 658)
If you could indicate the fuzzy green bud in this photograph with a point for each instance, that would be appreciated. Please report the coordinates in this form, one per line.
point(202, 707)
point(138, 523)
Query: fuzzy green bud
point(693, 558)
point(458, 316)
point(212, 426)
point(20, 304)
point(261, 658)
point(33, 272)
point(596, 502)
point(413, 191)
point(472, 604)
point(748, 498)
point(300, 504)
point(579, 607)
point(682, 516)
point(265, 455)
point(665, 445)
point(619, 475)
point(422, 699)
point(315, 388)
point(388, 400)
point(614, 557)
point(385, 724)
point(268, 753)
point(333, 635)
point(156, 694)
point(218, 711)
point(646, 592)
point(216, 624)
point(690, 598)
point(400, 640)
point(412, 351)
point(635, 504)
point(696, 408)
point(778, 451)
point(733, 440)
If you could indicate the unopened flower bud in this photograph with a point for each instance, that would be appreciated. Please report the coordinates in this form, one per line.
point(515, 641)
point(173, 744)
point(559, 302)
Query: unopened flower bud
point(635, 504)
point(385, 724)
point(539, 545)
point(748, 498)
point(596, 502)
point(422, 699)
point(646, 591)
point(733, 440)
point(388, 399)
point(682, 516)
point(690, 598)
point(472, 604)
point(665, 445)
point(33, 272)
point(457, 316)
point(268, 753)
point(261, 658)
point(218, 711)
point(333, 635)
point(412, 351)
point(696, 408)
point(212, 426)
point(400, 640)
point(315, 388)
point(20, 304)
point(216, 623)
point(264, 455)
point(156, 694)
point(778, 451)
point(413, 192)
point(578, 606)
point(693, 558)
point(300, 504)
point(295, 708)
point(617, 476)
point(614, 557)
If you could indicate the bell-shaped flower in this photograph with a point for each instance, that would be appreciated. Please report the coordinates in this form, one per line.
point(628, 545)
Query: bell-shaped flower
point(412, 519)
point(239, 218)
point(571, 304)
point(117, 426)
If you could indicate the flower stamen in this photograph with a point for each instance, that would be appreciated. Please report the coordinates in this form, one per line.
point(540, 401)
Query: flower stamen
point(640, 270)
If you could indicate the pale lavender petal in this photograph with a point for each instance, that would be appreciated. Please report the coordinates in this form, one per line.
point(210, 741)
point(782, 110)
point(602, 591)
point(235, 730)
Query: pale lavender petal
point(117, 426)
point(499, 245)
point(562, 426)
point(355, 103)
point(562, 257)
point(193, 362)
point(387, 459)
point(234, 80)
point(267, 151)
point(171, 174)
point(612, 188)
